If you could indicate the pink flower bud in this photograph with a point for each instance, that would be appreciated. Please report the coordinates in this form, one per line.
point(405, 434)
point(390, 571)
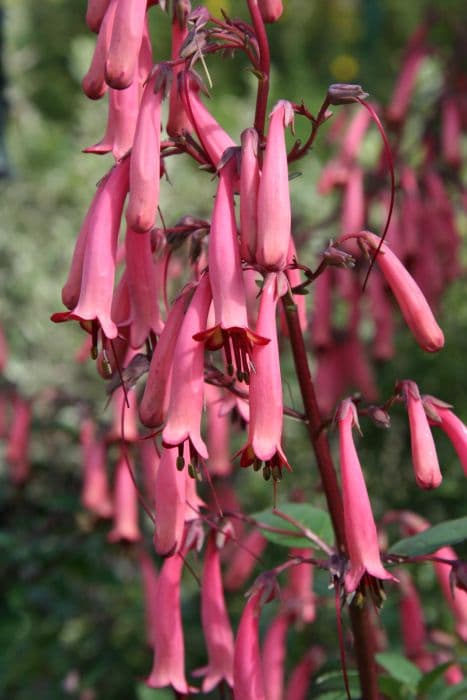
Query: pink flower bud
point(94, 85)
point(440, 414)
point(249, 183)
point(412, 303)
point(127, 34)
point(413, 628)
point(360, 528)
point(212, 136)
point(270, 10)
point(95, 12)
point(274, 215)
point(424, 457)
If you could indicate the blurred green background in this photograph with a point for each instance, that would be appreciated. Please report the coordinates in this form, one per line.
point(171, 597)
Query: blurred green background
point(71, 623)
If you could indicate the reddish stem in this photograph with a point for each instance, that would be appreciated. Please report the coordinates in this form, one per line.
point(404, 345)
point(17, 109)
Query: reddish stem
point(361, 624)
point(264, 66)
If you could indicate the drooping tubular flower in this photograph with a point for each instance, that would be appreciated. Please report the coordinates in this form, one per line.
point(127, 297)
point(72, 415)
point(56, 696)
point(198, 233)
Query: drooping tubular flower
point(142, 288)
point(215, 620)
point(266, 409)
point(440, 414)
point(412, 303)
point(169, 502)
point(154, 404)
point(274, 213)
point(360, 528)
point(228, 292)
point(248, 670)
point(212, 136)
point(274, 655)
point(187, 384)
point(95, 12)
point(126, 525)
point(169, 648)
point(98, 247)
point(424, 457)
point(145, 156)
point(178, 122)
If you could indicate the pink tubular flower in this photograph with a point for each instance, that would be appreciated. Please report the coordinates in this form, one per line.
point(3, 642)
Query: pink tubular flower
point(93, 83)
point(169, 502)
point(178, 121)
point(424, 457)
point(153, 406)
point(95, 495)
point(126, 526)
point(212, 136)
point(270, 10)
point(169, 652)
point(145, 158)
point(273, 656)
point(228, 292)
point(218, 434)
point(266, 408)
point(95, 12)
point(150, 461)
point(100, 247)
point(299, 681)
point(215, 620)
point(413, 628)
point(360, 528)
point(127, 34)
point(248, 671)
point(274, 214)
point(416, 52)
point(249, 183)
point(451, 131)
point(17, 448)
point(121, 121)
point(412, 303)
point(142, 287)
point(440, 414)
point(457, 601)
point(3, 350)
point(187, 386)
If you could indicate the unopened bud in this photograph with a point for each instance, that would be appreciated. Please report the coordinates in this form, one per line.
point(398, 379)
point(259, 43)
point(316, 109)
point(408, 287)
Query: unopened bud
point(379, 416)
point(345, 93)
point(338, 258)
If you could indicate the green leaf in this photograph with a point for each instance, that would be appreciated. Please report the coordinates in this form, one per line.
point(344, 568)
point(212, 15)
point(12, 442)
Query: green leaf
point(316, 520)
point(454, 692)
point(428, 541)
point(392, 688)
point(145, 693)
point(429, 678)
point(399, 668)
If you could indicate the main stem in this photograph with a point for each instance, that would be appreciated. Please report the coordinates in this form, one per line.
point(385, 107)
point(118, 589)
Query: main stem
point(360, 620)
